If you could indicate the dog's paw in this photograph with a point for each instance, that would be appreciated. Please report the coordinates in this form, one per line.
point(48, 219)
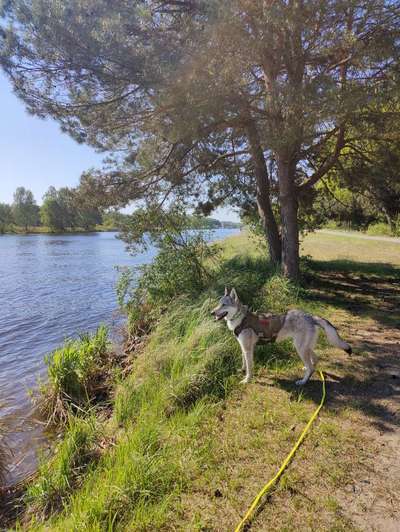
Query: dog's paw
point(245, 381)
point(300, 382)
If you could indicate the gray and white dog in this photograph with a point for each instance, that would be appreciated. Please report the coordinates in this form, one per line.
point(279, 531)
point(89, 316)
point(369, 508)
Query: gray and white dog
point(250, 328)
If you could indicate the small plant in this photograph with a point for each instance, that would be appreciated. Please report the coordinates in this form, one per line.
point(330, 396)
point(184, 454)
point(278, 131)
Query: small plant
point(332, 224)
point(73, 371)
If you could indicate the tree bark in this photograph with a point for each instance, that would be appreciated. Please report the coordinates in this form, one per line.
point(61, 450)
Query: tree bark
point(263, 197)
point(289, 211)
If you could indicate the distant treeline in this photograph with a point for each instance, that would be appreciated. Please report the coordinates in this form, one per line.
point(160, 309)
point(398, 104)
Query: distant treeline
point(212, 223)
point(61, 210)
point(67, 209)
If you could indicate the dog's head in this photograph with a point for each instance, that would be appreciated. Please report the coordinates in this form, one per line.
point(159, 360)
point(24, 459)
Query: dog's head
point(228, 305)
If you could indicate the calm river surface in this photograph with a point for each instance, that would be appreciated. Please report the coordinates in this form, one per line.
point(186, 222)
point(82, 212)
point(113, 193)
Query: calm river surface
point(51, 288)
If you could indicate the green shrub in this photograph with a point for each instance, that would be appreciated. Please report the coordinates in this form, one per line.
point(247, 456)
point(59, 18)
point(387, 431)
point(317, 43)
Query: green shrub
point(177, 270)
point(379, 229)
point(182, 268)
point(278, 294)
point(73, 371)
point(332, 224)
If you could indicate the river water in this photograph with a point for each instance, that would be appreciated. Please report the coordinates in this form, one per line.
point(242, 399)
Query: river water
point(51, 288)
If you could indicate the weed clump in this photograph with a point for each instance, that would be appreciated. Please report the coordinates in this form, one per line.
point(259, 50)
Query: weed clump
point(76, 375)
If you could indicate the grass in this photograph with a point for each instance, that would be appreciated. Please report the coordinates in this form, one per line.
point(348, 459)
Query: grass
point(185, 447)
point(379, 229)
point(332, 247)
point(74, 372)
point(159, 411)
point(62, 473)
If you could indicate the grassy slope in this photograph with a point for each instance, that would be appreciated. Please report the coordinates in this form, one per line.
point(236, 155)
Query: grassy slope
point(187, 448)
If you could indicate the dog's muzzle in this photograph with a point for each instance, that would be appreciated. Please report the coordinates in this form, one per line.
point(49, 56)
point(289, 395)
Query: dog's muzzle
point(218, 316)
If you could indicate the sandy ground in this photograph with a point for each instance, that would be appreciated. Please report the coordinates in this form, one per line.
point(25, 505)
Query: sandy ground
point(372, 384)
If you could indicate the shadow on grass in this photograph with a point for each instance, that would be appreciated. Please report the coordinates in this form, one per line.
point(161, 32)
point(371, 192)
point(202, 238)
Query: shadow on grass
point(364, 289)
point(365, 394)
point(246, 274)
point(372, 385)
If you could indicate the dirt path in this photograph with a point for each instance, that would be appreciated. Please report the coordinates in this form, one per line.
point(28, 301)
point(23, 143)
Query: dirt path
point(374, 501)
point(372, 385)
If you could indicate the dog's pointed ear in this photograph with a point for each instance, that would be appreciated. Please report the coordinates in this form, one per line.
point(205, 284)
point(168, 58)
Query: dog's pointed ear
point(233, 295)
point(226, 291)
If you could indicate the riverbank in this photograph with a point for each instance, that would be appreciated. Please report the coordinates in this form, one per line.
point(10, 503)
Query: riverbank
point(181, 446)
point(56, 287)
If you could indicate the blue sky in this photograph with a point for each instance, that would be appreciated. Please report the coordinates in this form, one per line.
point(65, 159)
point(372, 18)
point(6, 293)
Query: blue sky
point(35, 154)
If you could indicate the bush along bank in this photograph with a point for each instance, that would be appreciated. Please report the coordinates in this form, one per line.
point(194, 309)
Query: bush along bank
point(132, 440)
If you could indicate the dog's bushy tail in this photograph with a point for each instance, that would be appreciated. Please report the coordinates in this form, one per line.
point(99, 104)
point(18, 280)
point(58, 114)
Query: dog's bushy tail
point(332, 334)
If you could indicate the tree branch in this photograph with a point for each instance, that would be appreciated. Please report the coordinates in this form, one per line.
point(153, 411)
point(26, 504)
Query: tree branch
point(328, 163)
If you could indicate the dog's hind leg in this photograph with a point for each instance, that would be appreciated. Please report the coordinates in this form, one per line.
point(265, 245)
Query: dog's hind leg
point(314, 358)
point(304, 346)
point(311, 346)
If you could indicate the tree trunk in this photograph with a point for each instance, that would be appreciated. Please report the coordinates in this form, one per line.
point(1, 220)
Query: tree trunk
point(263, 196)
point(289, 210)
point(390, 221)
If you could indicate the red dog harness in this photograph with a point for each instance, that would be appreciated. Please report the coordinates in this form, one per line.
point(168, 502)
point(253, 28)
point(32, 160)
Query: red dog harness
point(266, 326)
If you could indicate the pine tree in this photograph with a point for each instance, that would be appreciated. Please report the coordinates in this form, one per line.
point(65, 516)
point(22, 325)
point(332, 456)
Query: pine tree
point(207, 102)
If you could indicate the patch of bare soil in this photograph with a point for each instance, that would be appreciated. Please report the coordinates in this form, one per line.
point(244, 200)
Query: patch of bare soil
point(373, 501)
point(372, 386)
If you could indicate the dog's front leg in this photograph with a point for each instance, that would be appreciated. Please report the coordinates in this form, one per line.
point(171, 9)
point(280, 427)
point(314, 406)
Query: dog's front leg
point(247, 340)
point(248, 355)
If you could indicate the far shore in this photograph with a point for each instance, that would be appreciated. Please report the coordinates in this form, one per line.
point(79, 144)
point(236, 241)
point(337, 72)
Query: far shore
point(47, 231)
point(97, 229)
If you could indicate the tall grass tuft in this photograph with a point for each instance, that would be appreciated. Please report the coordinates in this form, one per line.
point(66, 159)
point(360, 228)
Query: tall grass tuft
point(62, 473)
point(75, 371)
point(186, 367)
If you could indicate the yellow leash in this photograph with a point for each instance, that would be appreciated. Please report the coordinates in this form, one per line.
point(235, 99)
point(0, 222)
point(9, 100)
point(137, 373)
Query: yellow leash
point(267, 486)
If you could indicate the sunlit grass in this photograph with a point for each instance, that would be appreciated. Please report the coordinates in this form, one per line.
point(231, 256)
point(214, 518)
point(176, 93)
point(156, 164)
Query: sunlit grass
point(327, 247)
